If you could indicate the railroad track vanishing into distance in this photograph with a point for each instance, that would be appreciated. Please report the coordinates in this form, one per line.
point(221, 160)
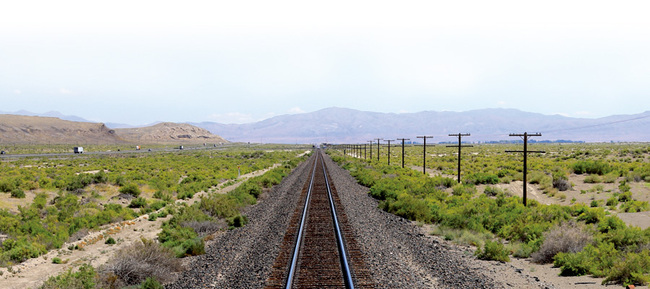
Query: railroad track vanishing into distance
point(319, 249)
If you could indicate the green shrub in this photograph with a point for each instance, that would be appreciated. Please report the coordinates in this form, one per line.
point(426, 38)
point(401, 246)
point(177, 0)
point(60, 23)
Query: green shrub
point(130, 189)
point(610, 178)
point(83, 278)
point(571, 264)
point(634, 206)
point(110, 241)
point(17, 193)
point(612, 201)
point(56, 260)
point(592, 179)
point(139, 202)
point(482, 178)
point(463, 190)
point(151, 283)
point(625, 197)
point(633, 268)
point(493, 251)
point(591, 167)
point(492, 191)
point(238, 221)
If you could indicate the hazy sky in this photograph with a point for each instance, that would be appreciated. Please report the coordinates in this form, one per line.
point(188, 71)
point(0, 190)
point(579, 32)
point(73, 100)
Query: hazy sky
point(138, 62)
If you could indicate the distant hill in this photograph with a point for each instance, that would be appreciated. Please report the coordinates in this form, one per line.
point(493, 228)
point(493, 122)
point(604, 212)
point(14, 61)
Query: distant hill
point(168, 132)
point(340, 125)
point(19, 129)
point(47, 114)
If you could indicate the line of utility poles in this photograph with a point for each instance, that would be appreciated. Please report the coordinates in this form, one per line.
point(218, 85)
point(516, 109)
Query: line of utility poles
point(356, 150)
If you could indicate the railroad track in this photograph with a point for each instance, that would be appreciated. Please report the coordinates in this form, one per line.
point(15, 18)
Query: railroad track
point(319, 249)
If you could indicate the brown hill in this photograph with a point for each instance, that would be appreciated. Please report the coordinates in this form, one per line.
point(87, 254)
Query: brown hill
point(167, 132)
point(17, 129)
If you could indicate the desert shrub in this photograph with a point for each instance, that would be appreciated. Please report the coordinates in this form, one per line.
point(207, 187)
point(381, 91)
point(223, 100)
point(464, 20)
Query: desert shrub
point(139, 202)
point(151, 283)
point(571, 264)
point(493, 250)
point(134, 264)
point(193, 247)
point(482, 178)
point(591, 167)
point(610, 178)
point(561, 182)
point(631, 269)
point(57, 260)
point(237, 221)
point(463, 190)
point(592, 179)
point(624, 187)
point(625, 197)
point(610, 223)
point(612, 201)
point(634, 206)
point(110, 241)
point(568, 237)
point(203, 228)
point(83, 278)
point(130, 189)
point(17, 193)
point(492, 191)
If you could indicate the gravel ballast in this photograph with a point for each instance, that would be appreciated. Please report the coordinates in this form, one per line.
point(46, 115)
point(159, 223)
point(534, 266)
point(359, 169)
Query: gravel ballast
point(397, 252)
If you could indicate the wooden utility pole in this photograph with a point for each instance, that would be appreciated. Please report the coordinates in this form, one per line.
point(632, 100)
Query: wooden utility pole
point(424, 155)
point(459, 135)
point(378, 139)
point(403, 139)
point(525, 136)
point(370, 148)
point(389, 140)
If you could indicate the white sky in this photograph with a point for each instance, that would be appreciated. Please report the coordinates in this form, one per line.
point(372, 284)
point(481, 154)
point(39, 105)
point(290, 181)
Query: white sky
point(138, 62)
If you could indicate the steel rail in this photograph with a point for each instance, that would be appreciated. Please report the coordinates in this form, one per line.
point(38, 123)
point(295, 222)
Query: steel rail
point(294, 258)
point(339, 237)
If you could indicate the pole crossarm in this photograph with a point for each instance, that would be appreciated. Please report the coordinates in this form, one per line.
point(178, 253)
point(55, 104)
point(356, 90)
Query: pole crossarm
point(459, 146)
point(525, 137)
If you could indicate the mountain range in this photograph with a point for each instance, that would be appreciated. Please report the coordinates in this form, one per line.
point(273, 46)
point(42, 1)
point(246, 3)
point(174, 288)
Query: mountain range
point(341, 125)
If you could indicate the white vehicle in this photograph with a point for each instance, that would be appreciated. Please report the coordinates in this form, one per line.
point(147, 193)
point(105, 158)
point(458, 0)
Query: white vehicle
point(78, 150)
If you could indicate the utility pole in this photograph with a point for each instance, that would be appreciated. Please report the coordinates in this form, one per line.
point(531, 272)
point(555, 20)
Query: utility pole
point(525, 136)
point(389, 140)
point(424, 155)
point(365, 152)
point(370, 148)
point(459, 135)
point(403, 139)
point(378, 139)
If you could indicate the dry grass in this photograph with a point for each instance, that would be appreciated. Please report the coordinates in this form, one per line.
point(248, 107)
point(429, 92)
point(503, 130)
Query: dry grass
point(132, 265)
point(568, 237)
